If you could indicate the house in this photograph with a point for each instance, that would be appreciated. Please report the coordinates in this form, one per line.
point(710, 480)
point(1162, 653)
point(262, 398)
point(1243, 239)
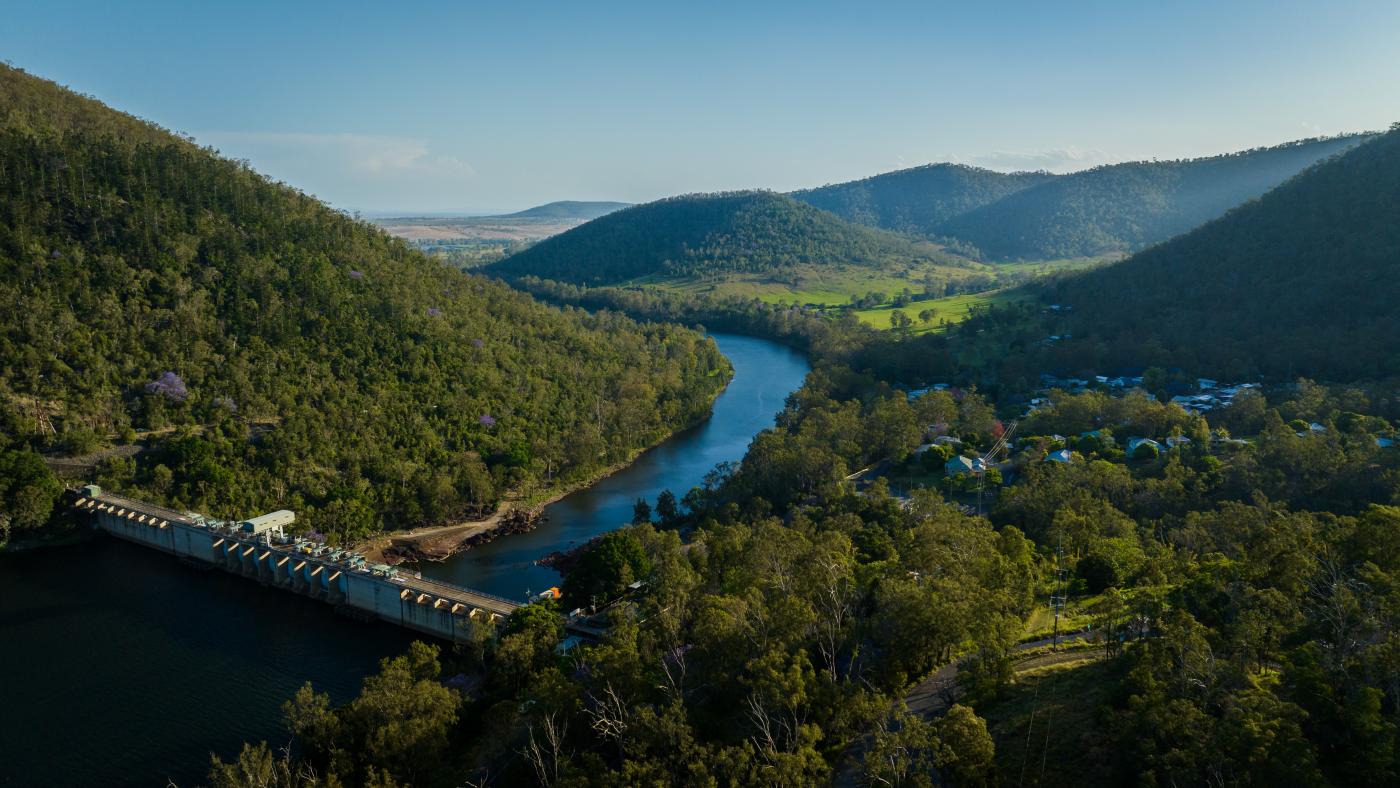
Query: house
point(923, 447)
point(1177, 440)
point(1136, 443)
point(1205, 383)
point(1385, 443)
point(1316, 428)
point(958, 466)
point(947, 440)
point(1062, 456)
point(1091, 434)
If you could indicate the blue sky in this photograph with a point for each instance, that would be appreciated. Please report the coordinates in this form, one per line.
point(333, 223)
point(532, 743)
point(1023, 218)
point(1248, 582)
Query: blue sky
point(478, 106)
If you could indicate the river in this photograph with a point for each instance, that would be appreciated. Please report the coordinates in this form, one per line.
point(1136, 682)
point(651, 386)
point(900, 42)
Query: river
point(764, 374)
point(122, 667)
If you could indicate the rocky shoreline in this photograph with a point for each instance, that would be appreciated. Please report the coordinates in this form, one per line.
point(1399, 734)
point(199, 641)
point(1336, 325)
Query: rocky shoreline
point(514, 521)
point(565, 561)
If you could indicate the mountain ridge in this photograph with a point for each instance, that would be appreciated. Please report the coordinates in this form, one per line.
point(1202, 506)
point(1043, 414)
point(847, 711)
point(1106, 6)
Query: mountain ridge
point(1104, 210)
point(1301, 281)
point(584, 210)
point(702, 235)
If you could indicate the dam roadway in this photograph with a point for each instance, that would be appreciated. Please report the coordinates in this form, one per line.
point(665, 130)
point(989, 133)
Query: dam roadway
point(338, 577)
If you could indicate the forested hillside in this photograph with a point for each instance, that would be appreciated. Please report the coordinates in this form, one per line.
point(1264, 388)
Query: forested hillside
point(274, 352)
point(710, 235)
point(920, 199)
point(1126, 207)
point(1305, 281)
point(1039, 216)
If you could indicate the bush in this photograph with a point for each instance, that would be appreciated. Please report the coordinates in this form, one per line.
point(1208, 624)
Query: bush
point(1145, 451)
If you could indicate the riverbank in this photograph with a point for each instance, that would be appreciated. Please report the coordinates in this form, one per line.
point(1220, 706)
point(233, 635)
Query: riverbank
point(512, 516)
point(765, 373)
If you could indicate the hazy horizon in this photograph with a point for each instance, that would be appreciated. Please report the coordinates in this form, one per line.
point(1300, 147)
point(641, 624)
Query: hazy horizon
point(478, 110)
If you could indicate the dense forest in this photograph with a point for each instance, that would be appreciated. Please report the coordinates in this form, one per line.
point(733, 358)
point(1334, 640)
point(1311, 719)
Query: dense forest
point(1126, 207)
point(919, 200)
point(249, 348)
point(1037, 216)
point(1231, 604)
point(1302, 281)
point(711, 235)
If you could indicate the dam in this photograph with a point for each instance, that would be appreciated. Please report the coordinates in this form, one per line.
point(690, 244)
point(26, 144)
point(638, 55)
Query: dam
point(260, 550)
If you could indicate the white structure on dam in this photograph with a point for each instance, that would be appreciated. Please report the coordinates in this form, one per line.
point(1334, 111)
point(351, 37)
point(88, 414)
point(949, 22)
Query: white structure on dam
point(259, 549)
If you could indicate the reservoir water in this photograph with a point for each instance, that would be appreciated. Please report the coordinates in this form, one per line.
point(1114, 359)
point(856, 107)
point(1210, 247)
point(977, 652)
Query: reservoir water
point(122, 667)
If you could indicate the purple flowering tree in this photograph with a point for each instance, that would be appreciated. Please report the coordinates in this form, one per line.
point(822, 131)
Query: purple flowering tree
point(170, 386)
point(434, 311)
point(487, 420)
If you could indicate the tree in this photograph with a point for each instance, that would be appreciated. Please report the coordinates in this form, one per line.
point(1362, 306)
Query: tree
point(397, 726)
point(641, 512)
point(905, 752)
point(605, 570)
point(667, 509)
point(28, 492)
point(257, 765)
point(966, 750)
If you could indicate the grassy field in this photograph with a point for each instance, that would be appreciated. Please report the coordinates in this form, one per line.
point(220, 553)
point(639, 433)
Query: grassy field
point(948, 311)
point(1043, 267)
point(830, 287)
point(817, 285)
point(1043, 725)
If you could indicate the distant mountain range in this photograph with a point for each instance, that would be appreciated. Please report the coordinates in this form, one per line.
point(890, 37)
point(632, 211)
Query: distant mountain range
point(1112, 209)
point(708, 235)
point(1303, 281)
point(567, 209)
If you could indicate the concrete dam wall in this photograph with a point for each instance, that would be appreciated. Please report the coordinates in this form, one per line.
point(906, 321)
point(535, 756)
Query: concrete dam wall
point(258, 550)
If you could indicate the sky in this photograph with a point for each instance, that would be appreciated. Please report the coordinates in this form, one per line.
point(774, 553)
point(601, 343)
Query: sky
point(475, 107)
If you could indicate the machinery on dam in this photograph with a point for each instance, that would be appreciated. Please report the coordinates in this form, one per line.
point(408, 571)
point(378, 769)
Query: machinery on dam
point(260, 549)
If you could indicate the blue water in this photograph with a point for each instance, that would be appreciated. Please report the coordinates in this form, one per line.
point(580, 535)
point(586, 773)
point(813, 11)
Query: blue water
point(119, 666)
point(122, 667)
point(764, 374)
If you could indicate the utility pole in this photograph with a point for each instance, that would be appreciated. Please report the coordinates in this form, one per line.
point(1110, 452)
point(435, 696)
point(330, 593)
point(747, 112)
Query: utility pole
point(1057, 599)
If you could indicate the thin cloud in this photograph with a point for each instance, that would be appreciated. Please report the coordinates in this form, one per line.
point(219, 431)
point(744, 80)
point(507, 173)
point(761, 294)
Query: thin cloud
point(356, 171)
point(365, 154)
point(1069, 159)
